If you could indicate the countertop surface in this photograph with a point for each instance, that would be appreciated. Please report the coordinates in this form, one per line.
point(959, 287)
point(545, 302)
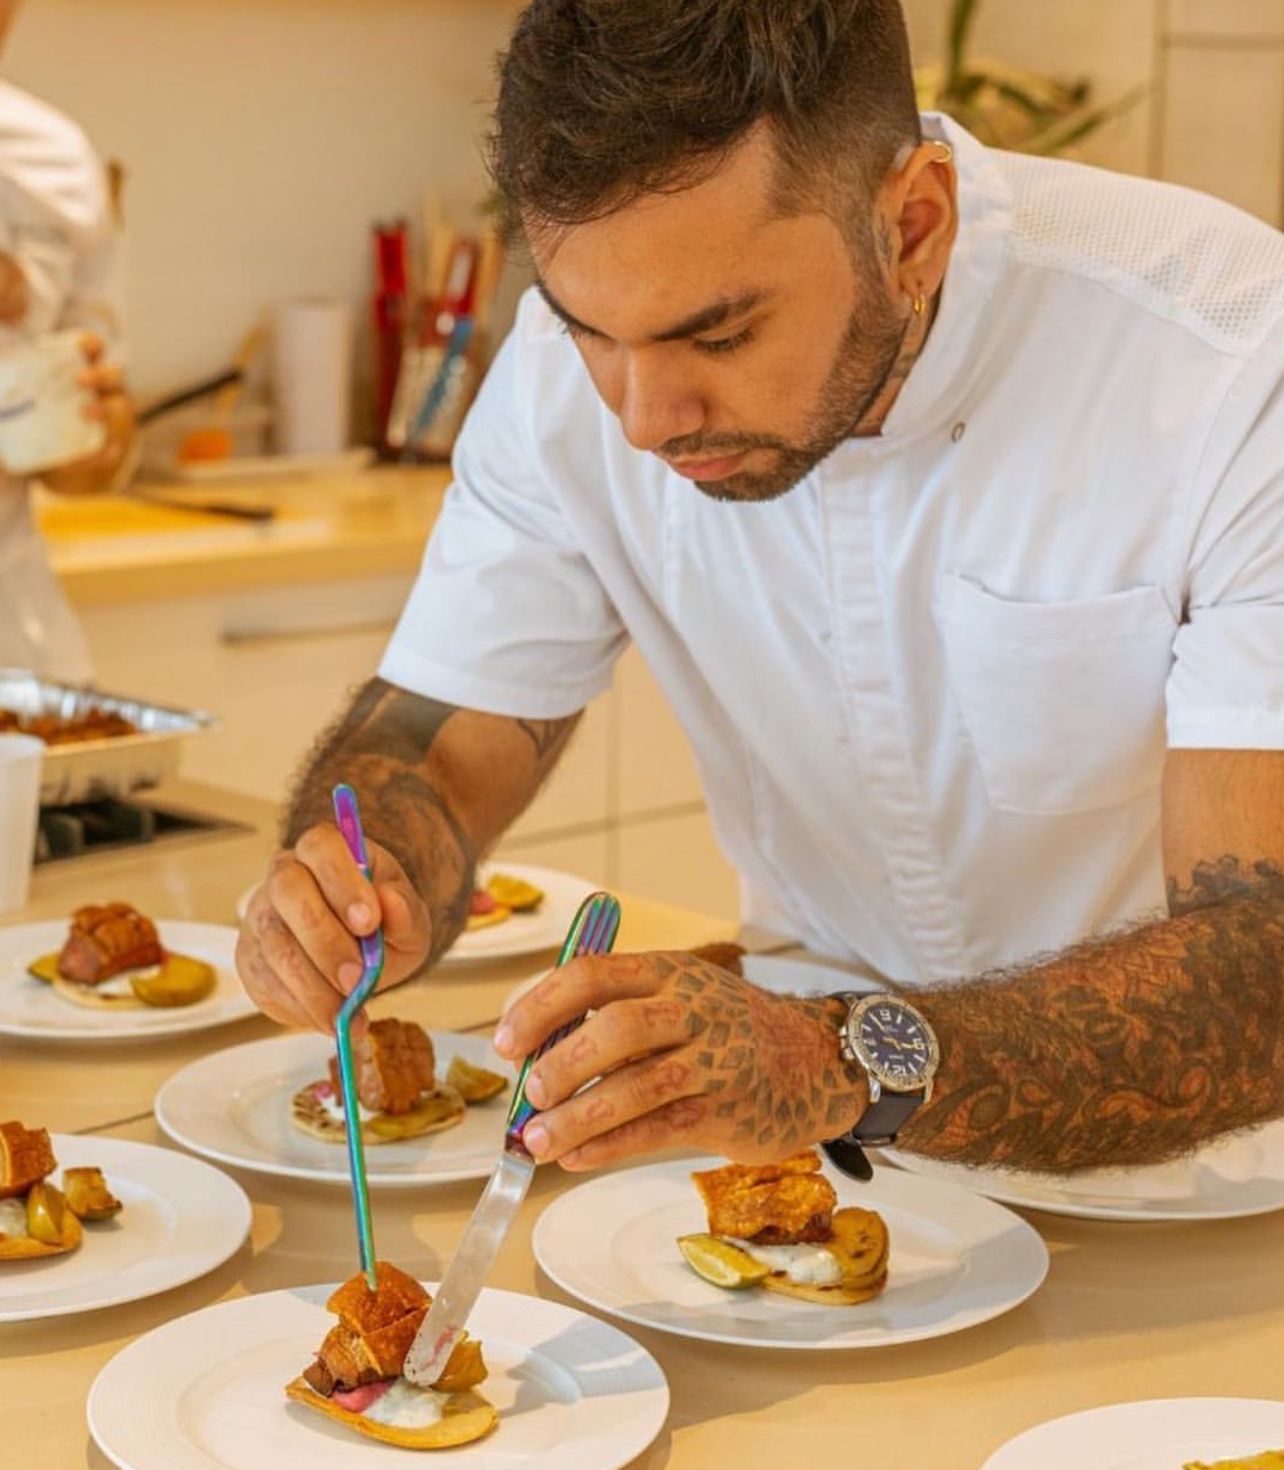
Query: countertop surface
point(1128, 1311)
point(113, 549)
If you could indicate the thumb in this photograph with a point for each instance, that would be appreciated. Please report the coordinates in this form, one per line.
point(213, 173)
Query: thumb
point(405, 917)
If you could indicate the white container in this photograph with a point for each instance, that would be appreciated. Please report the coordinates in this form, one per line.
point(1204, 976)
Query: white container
point(20, 761)
point(42, 419)
point(312, 375)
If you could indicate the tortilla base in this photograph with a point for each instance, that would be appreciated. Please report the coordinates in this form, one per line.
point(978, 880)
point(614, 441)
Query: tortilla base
point(307, 1114)
point(840, 1294)
point(465, 1417)
point(25, 1248)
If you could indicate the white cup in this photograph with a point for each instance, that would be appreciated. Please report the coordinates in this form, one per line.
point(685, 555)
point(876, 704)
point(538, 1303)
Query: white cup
point(42, 420)
point(312, 375)
point(20, 764)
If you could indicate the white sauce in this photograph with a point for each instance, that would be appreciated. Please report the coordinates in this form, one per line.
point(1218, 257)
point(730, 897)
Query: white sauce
point(13, 1218)
point(809, 1265)
point(407, 1406)
point(118, 986)
point(332, 1106)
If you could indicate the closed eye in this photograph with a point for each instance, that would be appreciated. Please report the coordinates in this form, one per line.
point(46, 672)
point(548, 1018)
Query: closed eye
point(723, 344)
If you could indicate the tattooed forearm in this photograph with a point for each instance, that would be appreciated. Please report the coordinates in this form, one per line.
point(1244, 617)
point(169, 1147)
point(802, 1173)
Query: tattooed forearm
point(1129, 1050)
point(437, 785)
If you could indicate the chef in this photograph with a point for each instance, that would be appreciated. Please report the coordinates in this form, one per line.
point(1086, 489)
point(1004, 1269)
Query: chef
point(941, 489)
point(60, 268)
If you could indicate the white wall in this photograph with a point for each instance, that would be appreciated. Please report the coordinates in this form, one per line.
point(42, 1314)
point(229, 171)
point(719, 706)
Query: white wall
point(262, 137)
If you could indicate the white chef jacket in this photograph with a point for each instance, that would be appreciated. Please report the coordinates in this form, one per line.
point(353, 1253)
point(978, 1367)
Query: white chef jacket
point(55, 220)
point(929, 689)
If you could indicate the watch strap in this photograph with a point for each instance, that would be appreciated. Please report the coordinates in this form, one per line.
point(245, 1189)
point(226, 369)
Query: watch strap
point(883, 1120)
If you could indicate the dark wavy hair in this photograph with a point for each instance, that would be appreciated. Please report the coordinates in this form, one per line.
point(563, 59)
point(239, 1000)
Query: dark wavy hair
point(601, 101)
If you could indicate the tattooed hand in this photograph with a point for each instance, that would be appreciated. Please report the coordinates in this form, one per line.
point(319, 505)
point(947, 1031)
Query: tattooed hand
point(297, 954)
point(685, 1054)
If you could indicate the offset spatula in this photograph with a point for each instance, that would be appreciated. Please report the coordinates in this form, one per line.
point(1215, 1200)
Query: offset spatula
point(348, 819)
point(593, 932)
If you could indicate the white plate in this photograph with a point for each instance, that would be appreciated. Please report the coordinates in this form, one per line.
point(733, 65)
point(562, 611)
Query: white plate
point(181, 1219)
point(206, 1392)
point(1160, 1434)
point(32, 1008)
point(776, 973)
point(234, 1107)
point(521, 934)
point(1240, 1176)
point(956, 1260)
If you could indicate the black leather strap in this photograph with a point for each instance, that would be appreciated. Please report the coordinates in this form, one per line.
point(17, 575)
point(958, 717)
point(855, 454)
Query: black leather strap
point(878, 1126)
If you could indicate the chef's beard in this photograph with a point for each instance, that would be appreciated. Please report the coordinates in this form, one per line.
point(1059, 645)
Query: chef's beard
point(866, 359)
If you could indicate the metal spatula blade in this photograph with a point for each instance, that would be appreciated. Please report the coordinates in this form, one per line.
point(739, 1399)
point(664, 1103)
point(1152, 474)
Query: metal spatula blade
point(592, 932)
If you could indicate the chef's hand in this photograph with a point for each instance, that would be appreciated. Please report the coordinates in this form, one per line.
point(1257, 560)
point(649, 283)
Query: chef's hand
point(297, 954)
point(686, 1055)
point(111, 406)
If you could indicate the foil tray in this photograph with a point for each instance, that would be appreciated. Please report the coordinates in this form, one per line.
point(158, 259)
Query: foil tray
point(89, 770)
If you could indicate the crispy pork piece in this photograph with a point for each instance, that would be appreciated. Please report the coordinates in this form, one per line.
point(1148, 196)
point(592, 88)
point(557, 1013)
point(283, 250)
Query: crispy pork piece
point(726, 956)
point(26, 1156)
point(394, 1066)
point(374, 1331)
point(106, 939)
point(770, 1204)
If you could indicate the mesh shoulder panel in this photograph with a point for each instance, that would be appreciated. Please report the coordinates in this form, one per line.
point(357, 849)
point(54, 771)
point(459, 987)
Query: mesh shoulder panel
point(1180, 254)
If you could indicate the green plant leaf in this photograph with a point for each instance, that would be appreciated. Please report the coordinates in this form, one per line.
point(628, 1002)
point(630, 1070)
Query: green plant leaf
point(961, 20)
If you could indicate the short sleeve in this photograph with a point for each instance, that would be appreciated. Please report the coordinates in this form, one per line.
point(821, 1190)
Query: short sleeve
point(1226, 686)
point(507, 615)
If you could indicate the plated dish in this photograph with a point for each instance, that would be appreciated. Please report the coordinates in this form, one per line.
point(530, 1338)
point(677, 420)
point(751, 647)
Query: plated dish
point(39, 1215)
point(1156, 1434)
point(114, 974)
point(955, 1260)
point(177, 1219)
point(1234, 1178)
point(240, 1107)
point(568, 1392)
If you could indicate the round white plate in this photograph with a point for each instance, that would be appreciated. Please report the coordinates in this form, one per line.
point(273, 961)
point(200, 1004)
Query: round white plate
point(234, 1107)
point(520, 934)
point(1240, 1176)
point(206, 1392)
point(776, 973)
point(181, 1219)
point(32, 1008)
point(956, 1260)
point(1159, 1434)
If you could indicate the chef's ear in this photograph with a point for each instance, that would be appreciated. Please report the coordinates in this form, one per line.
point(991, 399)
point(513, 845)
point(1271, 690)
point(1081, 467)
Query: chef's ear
point(919, 202)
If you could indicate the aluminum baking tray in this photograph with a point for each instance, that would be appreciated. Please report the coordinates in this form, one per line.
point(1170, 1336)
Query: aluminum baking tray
point(90, 769)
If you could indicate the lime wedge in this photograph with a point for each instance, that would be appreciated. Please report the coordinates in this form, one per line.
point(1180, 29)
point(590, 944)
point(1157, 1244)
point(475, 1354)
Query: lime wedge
point(719, 1263)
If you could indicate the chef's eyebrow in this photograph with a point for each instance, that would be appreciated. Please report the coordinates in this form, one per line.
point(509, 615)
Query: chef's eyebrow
point(716, 314)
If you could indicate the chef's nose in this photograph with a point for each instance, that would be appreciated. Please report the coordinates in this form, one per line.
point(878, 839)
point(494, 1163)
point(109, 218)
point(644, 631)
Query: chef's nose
point(657, 403)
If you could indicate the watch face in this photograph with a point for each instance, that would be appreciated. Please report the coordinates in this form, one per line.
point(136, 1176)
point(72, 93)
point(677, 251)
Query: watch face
point(896, 1044)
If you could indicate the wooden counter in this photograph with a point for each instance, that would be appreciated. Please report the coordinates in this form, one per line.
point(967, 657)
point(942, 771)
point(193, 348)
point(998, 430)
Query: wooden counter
point(111, 550)
point(1128, 1311)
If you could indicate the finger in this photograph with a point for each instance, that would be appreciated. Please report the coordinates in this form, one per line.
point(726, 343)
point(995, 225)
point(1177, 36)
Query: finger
point(632, 1092)
point(346, 889)
point(620, 1032)
point(263, 987)
point(104, 378)
point(585, 984)
point(292, 891)
point(680, 1124)
point(308, 988)
point(92, 346)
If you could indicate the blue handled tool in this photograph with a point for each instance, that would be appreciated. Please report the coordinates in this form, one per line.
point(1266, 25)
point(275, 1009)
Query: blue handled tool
point(348, 818)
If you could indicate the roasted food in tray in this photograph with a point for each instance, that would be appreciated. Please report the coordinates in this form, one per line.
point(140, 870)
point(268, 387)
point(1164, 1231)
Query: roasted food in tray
point(36, 1217)
point(356, 1376)
point(397, 1088)
point(95, 725)
point(113, 959)
point(776, 1226)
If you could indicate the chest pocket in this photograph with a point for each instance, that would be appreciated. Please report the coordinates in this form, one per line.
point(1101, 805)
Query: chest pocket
point(1063, 701)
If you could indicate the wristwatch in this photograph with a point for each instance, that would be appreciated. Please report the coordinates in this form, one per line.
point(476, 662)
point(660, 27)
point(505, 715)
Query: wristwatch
point(894, 1045)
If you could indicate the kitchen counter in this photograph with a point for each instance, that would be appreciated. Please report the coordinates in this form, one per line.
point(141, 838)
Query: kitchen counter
point(122, 549)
